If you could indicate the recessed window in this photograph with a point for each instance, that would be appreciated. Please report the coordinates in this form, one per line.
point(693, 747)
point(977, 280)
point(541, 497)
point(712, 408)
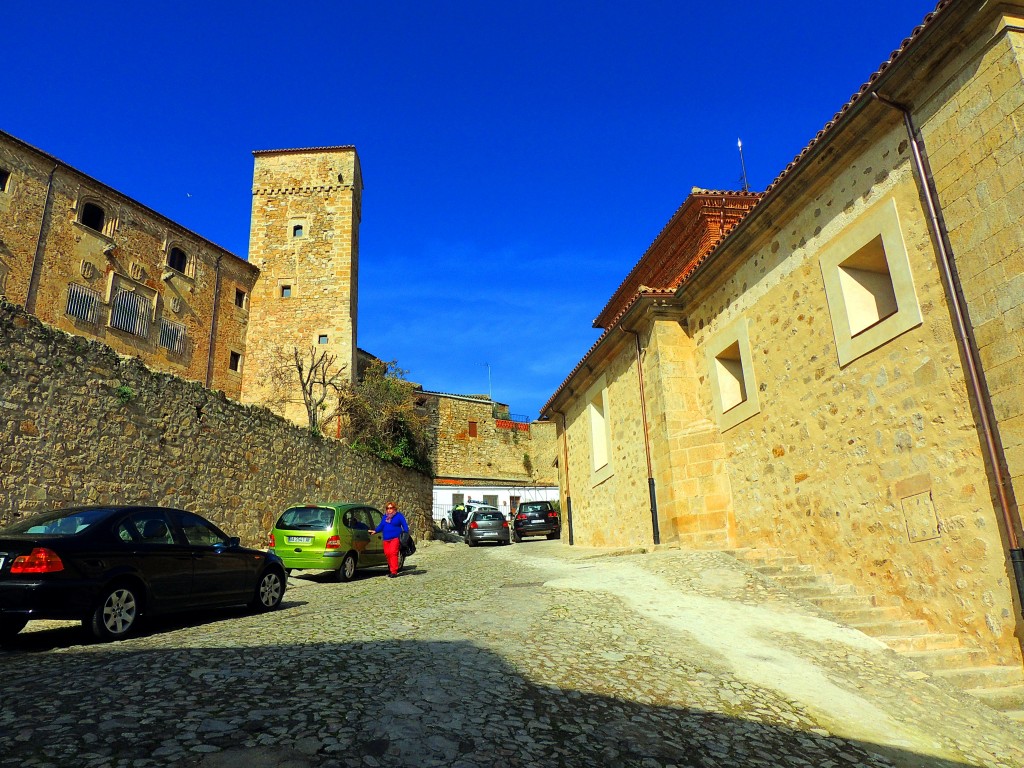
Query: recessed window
point(597, 417)
point(731, 375)
point(235, 361)
point(177, 260)
point(472, 429)
point(129, 312)
point(172, 336)
point(298, 230)
point(868, 284)
point(5, 177)
point(322, 338)
point(83, 302)
point(286, 291)
point(93, 217)
point(239, 297)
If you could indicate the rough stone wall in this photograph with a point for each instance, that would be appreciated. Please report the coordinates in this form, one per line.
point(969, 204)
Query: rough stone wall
point(501, 450)
point(130, 253)
point(832, 466)
point(81, 425)
point(318, 190)
point(975, 149)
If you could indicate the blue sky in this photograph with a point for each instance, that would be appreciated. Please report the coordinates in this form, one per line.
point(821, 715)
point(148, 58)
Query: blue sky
point(518, 157)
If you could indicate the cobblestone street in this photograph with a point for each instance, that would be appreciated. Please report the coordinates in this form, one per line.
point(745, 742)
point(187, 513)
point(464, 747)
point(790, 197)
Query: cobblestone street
point(536, 654)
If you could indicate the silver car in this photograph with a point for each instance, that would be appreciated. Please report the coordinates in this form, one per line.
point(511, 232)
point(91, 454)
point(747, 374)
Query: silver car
point(487, 524)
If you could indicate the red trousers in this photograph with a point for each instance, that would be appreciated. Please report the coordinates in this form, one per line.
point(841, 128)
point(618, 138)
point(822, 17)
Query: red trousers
point(391, 547)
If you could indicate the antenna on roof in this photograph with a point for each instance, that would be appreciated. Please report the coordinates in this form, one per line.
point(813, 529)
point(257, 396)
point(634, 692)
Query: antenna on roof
point(743, 167)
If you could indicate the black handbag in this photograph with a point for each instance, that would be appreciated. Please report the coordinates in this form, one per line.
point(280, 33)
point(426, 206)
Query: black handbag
point(405, 544)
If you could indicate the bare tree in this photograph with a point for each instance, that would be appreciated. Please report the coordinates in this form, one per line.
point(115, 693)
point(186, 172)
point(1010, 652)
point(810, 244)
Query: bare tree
point(320, 380)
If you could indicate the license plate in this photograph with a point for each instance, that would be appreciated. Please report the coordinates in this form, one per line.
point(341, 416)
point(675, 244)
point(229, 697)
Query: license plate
point(299, 539)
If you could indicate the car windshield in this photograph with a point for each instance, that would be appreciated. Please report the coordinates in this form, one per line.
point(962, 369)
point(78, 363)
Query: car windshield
point(488, 517)
point(535, 506)
point(61, 522)
point(306, 519)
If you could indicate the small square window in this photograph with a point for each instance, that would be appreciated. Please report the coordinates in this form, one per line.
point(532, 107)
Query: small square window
point(297, 230)
point(235, 361)
point(322, 339)
point(286, 291)
point(239, 297)
point(731, 375)
point(868, 284)
point(5, 177)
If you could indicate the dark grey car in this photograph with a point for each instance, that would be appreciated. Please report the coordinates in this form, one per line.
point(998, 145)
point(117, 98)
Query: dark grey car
point(487, 524)
point(536, 518)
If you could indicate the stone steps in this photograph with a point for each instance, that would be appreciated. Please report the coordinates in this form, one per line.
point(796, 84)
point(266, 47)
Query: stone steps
point(943, 655)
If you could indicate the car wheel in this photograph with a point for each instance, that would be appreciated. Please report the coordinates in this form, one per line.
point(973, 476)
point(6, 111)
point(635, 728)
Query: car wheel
point(470, 542)
point(401, 560)
point(10, 626)
point(115, 614)
point(269, 591)
point(517, 538)
point(554, 535)
point(348, 567)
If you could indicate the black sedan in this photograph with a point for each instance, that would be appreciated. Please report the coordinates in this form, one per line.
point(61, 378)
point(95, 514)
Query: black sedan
point(107, 566)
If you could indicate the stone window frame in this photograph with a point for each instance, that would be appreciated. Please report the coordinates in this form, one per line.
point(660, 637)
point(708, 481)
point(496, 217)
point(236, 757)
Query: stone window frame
point(848, 256)
point(286, 284)
point(235, 359)
point(731, 372)
point(300, 222)
point(109, 216)
point(599, 433)
point(241, 298)
point(190, 260)
point(6, 175)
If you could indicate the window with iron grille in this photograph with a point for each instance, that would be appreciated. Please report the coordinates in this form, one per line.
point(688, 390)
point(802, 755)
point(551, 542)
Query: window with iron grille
point(130, 313)
point(83, 302)
point(172, 335)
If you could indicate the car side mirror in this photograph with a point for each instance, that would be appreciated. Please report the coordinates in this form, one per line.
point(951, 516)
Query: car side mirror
point(234, 542)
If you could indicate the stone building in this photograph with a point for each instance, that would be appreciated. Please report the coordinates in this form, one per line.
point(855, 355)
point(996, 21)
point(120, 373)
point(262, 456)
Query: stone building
point(91, 261)
point(836, 377)
point(481, 452)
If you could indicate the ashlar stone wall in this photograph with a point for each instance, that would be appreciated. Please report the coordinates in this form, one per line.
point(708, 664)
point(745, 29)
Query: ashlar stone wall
point(80, 424)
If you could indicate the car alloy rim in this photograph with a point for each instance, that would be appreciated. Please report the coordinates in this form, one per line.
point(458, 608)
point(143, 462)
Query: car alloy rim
point(119, 611)
point(270, 589)
point(350, 567)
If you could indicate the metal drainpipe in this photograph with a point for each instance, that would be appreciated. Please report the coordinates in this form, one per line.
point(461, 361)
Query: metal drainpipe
point(651, 492)
point(568, 493)
point(37, 259)
point(967, 345)
point(213, 324)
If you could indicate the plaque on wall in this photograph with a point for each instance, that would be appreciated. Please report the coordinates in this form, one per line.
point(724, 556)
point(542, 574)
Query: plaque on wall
point(919, 513)
point(88, 269)
point(135, 270)
point(176, 305)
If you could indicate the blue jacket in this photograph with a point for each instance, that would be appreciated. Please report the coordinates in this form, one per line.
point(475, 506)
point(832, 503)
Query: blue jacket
point(393, 529)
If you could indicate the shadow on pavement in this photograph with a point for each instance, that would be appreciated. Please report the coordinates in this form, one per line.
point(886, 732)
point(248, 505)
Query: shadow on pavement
point(386, 702)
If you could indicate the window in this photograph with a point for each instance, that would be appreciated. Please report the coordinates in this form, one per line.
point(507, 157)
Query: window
point(93, 217)
point(868, 284)
point(458, 498)
point(172, 335)
point(490, 500)
point(5, 177)
point(150, 526)
point(235, 361)
point(177, 260)
point(239, 298)
point(472, 429)
point(596, 400)
point(83, 302)
point(731, 375)
point(297, 230)
point(129, 312)
point(322, 338)
point(201, 533)
point(286, 291)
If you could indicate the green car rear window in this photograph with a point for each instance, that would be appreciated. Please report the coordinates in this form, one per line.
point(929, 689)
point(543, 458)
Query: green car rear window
point(306, 519)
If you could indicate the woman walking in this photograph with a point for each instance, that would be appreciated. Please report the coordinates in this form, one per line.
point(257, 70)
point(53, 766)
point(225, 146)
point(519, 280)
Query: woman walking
point(391, 528)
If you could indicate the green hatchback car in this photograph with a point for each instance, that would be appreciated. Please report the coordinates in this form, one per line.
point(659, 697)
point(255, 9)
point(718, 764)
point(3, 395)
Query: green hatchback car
point(329, 537)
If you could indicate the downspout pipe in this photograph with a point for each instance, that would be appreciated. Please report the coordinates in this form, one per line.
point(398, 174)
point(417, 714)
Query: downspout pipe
point(1011, 516)
point(37, 259)
point(568, 493)
point(651, 491)
point(213, 324)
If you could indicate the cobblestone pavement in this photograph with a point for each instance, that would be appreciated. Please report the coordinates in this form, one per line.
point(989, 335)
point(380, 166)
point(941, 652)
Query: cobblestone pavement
point(538, 654)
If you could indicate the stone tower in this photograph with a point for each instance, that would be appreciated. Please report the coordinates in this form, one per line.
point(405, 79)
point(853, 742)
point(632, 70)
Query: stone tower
point(304, 239)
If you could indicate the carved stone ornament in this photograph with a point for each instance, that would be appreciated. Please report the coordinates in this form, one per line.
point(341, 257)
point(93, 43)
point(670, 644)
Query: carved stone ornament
point(135, 270)
point(176, 305)
point(88, 269)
